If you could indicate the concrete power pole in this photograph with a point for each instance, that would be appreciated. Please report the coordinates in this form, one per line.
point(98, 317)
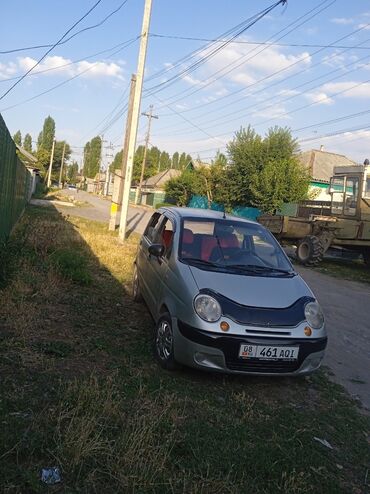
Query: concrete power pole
point(150, 116)
point(109, 156)
point(135, 117)
point(119, 175)
point(51, 164)
point(61, 166)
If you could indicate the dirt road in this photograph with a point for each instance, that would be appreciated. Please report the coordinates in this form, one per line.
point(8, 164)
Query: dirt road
point(346, 306)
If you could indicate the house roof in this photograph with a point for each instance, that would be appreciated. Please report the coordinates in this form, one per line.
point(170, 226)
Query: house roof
point(30, 158)
point(198, 164)
point(158, 181)
point(320, 164)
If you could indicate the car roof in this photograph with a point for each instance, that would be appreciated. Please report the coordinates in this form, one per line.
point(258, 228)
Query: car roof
point(203, 214)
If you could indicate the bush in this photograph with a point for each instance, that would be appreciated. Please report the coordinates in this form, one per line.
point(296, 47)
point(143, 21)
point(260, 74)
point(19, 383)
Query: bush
point(41, 190)
point(71, 265)
point(164, 205)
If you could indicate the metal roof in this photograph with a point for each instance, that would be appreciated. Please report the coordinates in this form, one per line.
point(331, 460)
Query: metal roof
point(202, 213)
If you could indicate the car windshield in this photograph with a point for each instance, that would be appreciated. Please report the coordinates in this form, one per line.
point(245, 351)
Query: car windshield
point(232, 245)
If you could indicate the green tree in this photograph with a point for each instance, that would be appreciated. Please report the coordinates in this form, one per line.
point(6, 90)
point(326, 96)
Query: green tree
point(264, 172)
point(175, 160)
point(220, 159)
point(17, 138)
point(92, 157)
point(86, 161)
point(182, 161)
point(164, 161)
point(27, 143)
point(182, 188)
point(72, 172)
point(117, 162)
point(58, 153)
point(48, 133)
point(39, 140)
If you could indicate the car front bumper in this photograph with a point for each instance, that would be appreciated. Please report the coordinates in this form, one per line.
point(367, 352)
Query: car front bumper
point(218, 352)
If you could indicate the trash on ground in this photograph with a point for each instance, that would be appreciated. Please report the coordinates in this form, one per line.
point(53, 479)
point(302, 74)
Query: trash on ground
point(51, 475)
point(324, 442)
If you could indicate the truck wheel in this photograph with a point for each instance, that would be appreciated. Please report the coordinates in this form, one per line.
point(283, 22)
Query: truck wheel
point(366, 256)
point(310, 250)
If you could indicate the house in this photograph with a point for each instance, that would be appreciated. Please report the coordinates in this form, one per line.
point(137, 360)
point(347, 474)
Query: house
point(29, 161)
point(152, 191)
point(320, 165)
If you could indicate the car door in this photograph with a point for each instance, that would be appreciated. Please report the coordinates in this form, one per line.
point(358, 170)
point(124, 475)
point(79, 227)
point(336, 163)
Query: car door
point(158, 266)
point(143, 261)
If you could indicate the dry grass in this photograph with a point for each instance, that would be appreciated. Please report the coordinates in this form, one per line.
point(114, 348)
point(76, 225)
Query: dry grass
point(80, 390)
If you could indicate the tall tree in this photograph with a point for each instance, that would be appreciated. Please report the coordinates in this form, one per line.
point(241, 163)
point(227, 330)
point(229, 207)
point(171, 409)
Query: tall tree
point(17, 138)
point(58, 153)
point(86, 163)
point(182, 161)
point(72, 172)
point(48, 133)
point(117, 162)
point(175, 160)
point(39, 140)
point(27, 143)
point(164, 161)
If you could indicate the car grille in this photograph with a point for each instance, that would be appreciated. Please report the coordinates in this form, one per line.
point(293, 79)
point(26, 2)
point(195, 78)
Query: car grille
point(275, 366)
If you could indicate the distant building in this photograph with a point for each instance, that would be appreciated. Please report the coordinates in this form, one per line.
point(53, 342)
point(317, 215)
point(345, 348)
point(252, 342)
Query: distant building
point(320, 165)
point(195, 164)
point(152, 191)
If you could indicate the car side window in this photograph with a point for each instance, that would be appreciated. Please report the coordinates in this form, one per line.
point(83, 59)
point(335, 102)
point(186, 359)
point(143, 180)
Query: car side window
point(150, 231)
point(164, 235)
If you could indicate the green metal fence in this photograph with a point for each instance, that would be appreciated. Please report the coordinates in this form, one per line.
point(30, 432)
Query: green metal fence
point(14, 183)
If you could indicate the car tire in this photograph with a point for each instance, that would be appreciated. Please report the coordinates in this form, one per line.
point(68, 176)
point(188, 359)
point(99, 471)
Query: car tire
point(164, 343)
point(310, 250)
point(136, 292)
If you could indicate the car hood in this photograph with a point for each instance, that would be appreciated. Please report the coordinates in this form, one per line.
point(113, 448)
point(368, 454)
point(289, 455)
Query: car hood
point(254, 291)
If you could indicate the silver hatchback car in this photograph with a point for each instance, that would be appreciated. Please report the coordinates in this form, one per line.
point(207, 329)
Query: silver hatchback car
point(225, 296)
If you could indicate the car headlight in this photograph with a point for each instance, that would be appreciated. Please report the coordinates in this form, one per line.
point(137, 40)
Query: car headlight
point(314, 315)
point(207, 308)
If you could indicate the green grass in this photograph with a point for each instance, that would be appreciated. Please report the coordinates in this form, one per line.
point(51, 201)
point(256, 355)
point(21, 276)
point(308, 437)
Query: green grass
point(80, 390)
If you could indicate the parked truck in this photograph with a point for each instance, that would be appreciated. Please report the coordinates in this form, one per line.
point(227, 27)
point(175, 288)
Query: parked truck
point(346, 223)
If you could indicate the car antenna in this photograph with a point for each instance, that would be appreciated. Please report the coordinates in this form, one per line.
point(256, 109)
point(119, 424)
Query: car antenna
point(224, 214)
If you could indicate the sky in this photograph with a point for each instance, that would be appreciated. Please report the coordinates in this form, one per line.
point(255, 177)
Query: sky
point(305, 65)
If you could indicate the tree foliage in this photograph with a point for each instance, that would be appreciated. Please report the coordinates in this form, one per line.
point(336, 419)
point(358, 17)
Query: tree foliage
point(182, 188)
point(17, 138)
point(47, 135)
point(92, 157)
point(72, 172)
point(264, 172)
point(27, 143)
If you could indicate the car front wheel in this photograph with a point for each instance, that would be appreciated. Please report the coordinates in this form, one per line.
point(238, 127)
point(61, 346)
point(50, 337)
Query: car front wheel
point(164, 344)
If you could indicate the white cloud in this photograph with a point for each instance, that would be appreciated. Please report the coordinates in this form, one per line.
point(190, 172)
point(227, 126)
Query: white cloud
point(360, 91)
point(342, 20)
point(60, 65)
point(320, 98)
point(364, 26)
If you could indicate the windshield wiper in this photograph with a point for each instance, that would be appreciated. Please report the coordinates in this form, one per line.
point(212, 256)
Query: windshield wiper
point(259, 269)
point(202, 262)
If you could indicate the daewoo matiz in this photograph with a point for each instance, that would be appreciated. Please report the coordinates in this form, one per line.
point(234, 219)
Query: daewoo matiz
point(225, 296)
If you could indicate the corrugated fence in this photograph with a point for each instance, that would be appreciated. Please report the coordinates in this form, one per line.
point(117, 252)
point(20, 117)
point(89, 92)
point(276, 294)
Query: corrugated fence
point(244, 212)
point(14, 183)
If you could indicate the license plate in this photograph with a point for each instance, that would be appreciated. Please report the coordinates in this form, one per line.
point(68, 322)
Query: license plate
point(263, 352)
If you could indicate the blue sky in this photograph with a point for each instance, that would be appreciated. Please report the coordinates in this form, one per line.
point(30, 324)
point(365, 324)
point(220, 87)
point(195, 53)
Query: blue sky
point(245, 83)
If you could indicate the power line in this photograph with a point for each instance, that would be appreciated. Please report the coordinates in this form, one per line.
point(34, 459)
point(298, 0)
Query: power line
point(57, 67)
point(208, 56)
point(64, 82)
point(73, 35)
point(50, 49)
point(262, 43)
point(332, 134)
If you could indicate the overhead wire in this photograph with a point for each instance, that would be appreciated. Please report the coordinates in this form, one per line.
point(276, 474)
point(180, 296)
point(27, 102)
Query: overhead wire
point(28, 48)
point(249, 23)
point(65, 81)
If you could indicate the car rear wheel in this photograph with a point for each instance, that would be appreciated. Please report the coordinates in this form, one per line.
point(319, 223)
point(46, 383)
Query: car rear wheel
point(310, 250)
point(136, 292)
point(164, 344)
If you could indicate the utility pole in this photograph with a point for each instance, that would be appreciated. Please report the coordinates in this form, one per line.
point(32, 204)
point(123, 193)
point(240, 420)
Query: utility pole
point(119, 177)
point(150, 116)
point(51, 164)
point(100, 160)
point(61, 166)
point(108, 155)
point(135, 117)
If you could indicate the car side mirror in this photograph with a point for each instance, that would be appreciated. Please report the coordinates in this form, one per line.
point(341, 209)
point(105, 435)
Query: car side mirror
point(156, 250)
